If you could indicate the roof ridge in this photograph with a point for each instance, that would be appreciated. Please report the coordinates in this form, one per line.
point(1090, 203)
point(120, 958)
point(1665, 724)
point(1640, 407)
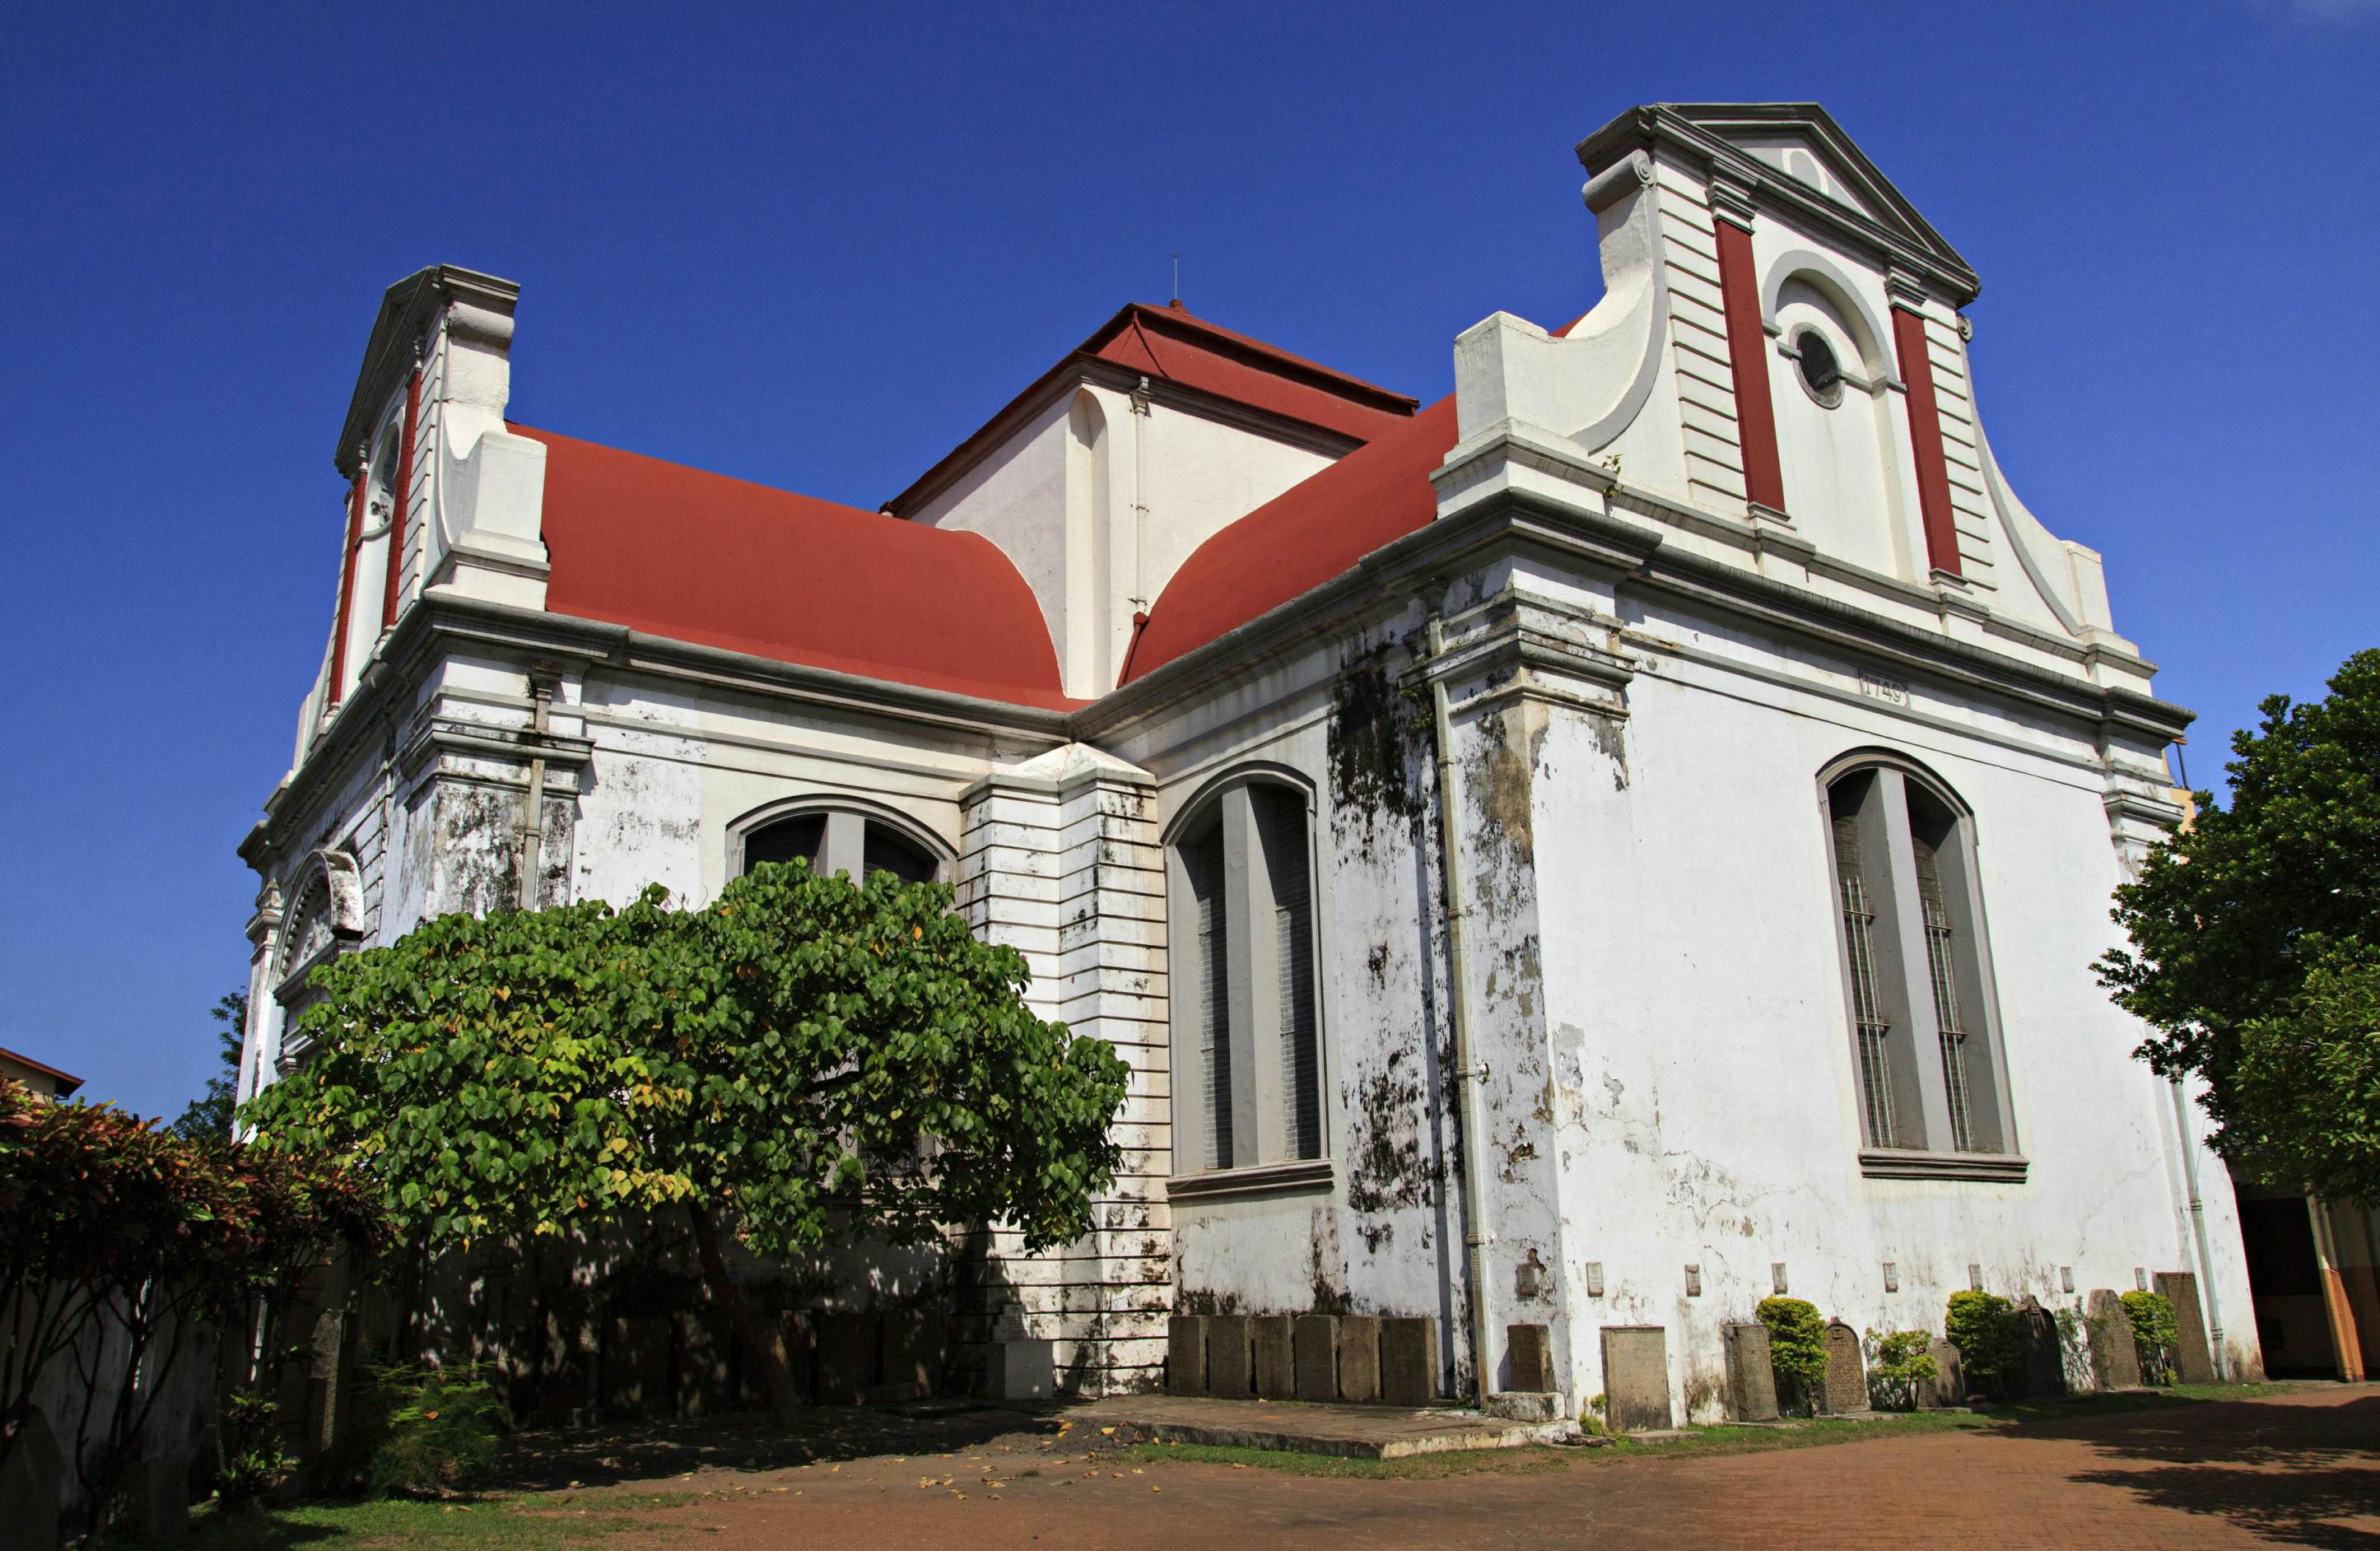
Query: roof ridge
point(1266, 349)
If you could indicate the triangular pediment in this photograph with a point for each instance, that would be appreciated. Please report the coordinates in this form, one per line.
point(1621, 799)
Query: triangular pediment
point(1799, 151)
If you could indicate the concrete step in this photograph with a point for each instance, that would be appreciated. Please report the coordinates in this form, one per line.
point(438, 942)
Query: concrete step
point(1348, 1432)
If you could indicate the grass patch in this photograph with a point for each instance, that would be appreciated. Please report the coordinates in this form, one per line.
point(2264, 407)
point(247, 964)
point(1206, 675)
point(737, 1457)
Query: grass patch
point(543, 1522)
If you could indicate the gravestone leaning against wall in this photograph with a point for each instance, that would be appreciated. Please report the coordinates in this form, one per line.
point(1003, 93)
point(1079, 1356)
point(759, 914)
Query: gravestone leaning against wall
point(1846, 1371)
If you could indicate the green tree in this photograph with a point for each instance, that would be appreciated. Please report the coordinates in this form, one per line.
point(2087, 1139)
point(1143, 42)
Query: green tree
point(802, 1059)
point(1797, 1348)
point(2256, 943)
point(209, 1115)
point(1983, 1325)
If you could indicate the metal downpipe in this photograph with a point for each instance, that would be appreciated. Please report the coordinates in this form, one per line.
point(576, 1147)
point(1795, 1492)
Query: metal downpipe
point(1470, 1122)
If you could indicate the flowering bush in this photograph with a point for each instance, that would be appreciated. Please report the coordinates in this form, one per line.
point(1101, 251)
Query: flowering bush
point(111, 1226)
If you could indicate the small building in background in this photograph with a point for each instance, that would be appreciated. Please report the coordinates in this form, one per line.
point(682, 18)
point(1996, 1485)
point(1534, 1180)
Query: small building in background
point(40, 1076)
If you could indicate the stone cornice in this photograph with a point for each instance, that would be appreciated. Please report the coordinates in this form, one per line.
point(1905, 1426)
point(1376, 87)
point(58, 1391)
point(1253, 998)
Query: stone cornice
point(1515, 522)
point(1518, 646)
point(1506, 524)
point(442, 623)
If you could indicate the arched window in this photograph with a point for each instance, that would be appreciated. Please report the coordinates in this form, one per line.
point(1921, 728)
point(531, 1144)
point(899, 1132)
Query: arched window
point(324, 919)
point(849, 839)
point(381, 499)
point(1916, 966)
point(1247, 1011)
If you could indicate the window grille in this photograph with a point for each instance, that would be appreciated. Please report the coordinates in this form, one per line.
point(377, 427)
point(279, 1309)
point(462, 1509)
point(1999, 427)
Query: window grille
point(786, 838)
point(1940, 965)
point(887, 850)
point(842, 842)
point(1204, 862)
point(1284, 823)
point(1867, 1000)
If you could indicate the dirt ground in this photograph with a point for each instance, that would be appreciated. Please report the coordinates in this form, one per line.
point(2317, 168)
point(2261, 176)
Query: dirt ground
point(2293, 1468)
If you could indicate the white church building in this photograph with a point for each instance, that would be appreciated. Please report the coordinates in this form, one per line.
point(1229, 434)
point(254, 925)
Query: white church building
point(1621, 841)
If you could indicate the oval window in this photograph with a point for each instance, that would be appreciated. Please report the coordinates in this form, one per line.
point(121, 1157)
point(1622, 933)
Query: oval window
point(1822, 374)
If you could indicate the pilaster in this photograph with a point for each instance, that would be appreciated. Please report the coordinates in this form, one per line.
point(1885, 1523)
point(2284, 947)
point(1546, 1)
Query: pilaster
point(1060, 860)
point(1536, 707)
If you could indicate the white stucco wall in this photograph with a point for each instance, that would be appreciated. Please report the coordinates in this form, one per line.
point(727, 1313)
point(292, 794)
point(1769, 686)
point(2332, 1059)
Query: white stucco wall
point(1172, 480)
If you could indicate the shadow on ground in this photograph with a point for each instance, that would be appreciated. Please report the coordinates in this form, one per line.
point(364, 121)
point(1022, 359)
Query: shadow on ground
point(2286, 1473)
point(544, 1462)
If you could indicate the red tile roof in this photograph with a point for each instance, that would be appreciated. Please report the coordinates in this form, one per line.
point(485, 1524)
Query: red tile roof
point(1302, 538)
point(1171, 344)
point(1299, 539)
point(699, 557)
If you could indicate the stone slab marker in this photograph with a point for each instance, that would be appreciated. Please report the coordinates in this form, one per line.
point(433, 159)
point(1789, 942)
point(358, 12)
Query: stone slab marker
point(1229, 1365)
point(1529, 1350)
point(1185, 1354)
point(1846, 1372)
point(1949, 1385)
point(913, 1349)
point(635, 1366)
point(2115, 1356)
point(158, 1493)
point(846, 1356)
point(2045, 1361)
point(1636, 1378)
point(1408, 1361)
point(704, 1345)
point(2192, 1359)
point(1751, 1372)
point(1276, 1373)
point(1315, 1338)
point(1359, 1358)
point(31, 1483)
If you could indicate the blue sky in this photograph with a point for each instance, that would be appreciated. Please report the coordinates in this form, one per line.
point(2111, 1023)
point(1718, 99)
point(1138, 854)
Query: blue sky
point(816, 247)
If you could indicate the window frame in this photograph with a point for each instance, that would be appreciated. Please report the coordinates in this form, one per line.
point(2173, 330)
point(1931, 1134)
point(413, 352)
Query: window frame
point(1260, 1098)
point(1920, 1145)
point(842, 846)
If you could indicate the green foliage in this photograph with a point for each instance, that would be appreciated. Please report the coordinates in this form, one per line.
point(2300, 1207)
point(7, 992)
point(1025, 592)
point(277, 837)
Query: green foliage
point(2304, 1098)
point(2155, 1332)
point(1898, 1362)
point(1797, 1347)
point(253, 1457)
point(1991, 1353)
point(2256, 943)
point(422, 1432)
point(113, 1226)
point(802, 1057)
point(209, 1117)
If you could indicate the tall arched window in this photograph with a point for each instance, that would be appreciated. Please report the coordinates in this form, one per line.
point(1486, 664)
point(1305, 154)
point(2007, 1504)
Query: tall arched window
point(1247, 1011)
point(838, 838)
point(1916, 966)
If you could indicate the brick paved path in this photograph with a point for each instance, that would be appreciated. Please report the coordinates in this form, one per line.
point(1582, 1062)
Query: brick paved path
point(2299, 1468)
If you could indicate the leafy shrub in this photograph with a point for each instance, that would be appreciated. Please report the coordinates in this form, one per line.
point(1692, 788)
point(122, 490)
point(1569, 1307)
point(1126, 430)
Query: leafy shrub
point(1983, 1327)
point(2155, 1332)
point(119, 1237)
point(1797, 1348)
point(424, 1432)
point(1898, 1362)
point(253, 1460)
